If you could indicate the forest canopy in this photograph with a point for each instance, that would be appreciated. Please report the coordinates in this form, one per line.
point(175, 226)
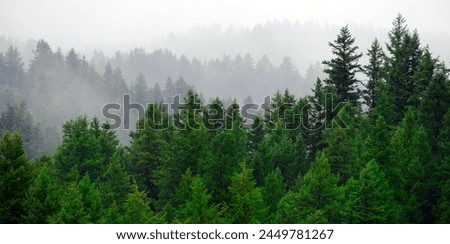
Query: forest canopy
point(381, 157)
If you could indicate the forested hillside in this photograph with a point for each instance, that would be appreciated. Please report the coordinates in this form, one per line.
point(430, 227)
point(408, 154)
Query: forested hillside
point(378, 153)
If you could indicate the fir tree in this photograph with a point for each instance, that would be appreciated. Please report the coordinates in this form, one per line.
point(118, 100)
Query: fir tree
point(197, 209)
point(344, 66)
point(247, 204)
point(15, 177)
point(370, 199)
point(137, 208)
point(375, 72)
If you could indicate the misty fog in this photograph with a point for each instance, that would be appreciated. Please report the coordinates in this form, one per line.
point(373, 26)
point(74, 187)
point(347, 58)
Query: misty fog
point(153, 50)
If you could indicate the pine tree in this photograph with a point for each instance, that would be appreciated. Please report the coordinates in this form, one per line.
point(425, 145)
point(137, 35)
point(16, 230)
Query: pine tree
point(137, 208)
point(401, 66)
point(43, 196)
point(370, 199)
point(18, 118)
point(376, 143)
point(112, 215)
point(220, 161)
point(14, 72)
point(318, 192)
point(414, 170)
point(140, 90)
point(385, 106)
point(279, 150)
point(441, 211)
point(341, 154)
point(374, 71)
point(115, 182)
point(92, 202)
point(247, 204)
point(197, 208)
point(434, 106)
point(87, 145)
point(344, 66)
point(273, 190)
point(72, 208)
point(15, 177)
point(313, 120)
point(428, 66)
point(189, 142)
point(149, 149)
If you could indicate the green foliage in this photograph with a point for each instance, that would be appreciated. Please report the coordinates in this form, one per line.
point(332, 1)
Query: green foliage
point(273, 191)
point(247, 204)
point(318, 192)
point(370, 199)
point(434, 106)
point(279, 150)
point(115, 183)
point(343, 67)
point(86, 145)
point(376, 143)
point(414, 169)
point(43, 196)
point(72, 208)
point(375, 73)
point(137, 208)
point(341, 154)
point(197, 209)
point(149, 149)
point(15, 177)
point(17, 118)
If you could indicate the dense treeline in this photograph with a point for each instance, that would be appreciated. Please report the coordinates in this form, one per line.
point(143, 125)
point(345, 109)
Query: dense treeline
point(381, 158)
point(58, 86)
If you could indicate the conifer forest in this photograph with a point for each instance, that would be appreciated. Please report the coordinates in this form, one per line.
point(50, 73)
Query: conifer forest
point(151, 137)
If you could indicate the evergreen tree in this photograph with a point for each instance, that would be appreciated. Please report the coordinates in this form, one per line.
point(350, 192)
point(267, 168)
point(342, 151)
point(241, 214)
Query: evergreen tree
point(43, 196)
point(434, 106)
point(247, 204)
point(374, 71)
point(137, 208)
point(341, 154)
point(15, 177)
point(197, 209)
point(370, 199)
point(401, 66)
point(140, 90)
point(376, 144)
point(273, 191)
point(112, 215)
point(318, 192)
point(86, 145)
point(413, 170)
point(17, 118)
point(14, 72)
point(428, 66)
point(92, 202)
point(219, 162)
point(72, 208)
point(313, 120)
point(278, 150)
point(441, 211)
point(115, 182)
point(149, 149)
point(344, 66)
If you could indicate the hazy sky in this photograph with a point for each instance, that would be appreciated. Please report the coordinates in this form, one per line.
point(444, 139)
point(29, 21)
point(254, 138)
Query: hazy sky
point(81, 23)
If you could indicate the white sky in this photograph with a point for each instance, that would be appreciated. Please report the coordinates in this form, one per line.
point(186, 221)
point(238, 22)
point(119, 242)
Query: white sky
point(81, 23)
